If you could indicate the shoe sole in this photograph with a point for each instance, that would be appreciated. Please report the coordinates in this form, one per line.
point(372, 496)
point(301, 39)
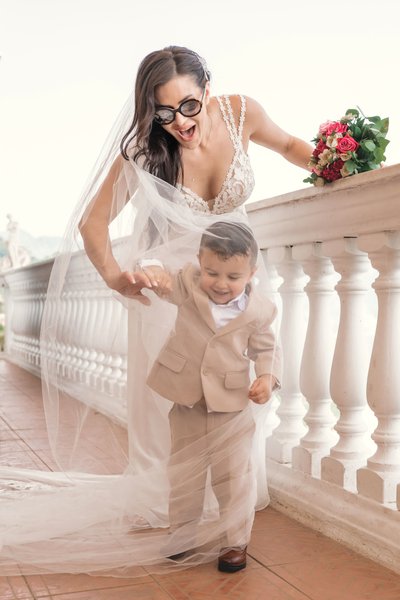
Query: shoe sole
point(177, 556)
point(228, 568)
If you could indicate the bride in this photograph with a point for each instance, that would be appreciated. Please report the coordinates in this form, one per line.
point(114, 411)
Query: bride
point(174, 163)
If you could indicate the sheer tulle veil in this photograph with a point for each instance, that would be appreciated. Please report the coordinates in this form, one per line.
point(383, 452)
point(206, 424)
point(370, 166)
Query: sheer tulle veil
point(104, 507)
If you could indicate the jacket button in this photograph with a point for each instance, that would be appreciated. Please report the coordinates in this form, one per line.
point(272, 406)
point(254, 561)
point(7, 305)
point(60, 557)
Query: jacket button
point(205, 371)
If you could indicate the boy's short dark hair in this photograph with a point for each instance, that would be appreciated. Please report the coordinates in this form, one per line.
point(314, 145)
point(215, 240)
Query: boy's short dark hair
point(227, 239)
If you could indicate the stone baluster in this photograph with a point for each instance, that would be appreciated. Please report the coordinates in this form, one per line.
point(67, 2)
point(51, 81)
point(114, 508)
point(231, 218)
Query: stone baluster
point(77, 328)
point(36, 327)
point(293, 326)
point(48, 351)
point(93, 340)
point(109, 333)
point(350, 364)
point(42, 298)
point(380, 478)
point(101, 345)
point(66, 343)
point(118, 373)
point(90, 327)
point(317, 360)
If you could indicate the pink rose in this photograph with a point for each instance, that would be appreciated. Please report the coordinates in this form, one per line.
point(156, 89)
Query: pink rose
point(336, 127)
point(347, 144)
point(324, 126)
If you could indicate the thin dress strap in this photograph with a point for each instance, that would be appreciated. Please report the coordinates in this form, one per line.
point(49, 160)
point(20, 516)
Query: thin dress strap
point(227, 114)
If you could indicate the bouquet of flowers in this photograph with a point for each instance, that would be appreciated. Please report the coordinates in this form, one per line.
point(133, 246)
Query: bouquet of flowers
point(353, 144)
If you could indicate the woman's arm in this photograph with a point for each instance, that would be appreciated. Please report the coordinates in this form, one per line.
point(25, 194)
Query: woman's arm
point(93, 227)
point(261, 130)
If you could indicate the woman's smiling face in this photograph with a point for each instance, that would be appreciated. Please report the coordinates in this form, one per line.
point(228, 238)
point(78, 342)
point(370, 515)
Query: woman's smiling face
point(188, 131)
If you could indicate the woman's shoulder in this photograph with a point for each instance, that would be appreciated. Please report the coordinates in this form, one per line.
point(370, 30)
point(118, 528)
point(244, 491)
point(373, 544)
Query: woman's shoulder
point(235, 100)
point(240, 103)
point(243, 110)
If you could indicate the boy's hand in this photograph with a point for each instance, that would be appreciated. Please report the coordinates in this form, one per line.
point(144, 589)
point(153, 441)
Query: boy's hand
point(160, 279)
point(261, 389)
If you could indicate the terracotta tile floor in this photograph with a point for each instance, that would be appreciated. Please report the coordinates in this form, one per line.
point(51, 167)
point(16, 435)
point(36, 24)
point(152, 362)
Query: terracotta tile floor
point(287, 560)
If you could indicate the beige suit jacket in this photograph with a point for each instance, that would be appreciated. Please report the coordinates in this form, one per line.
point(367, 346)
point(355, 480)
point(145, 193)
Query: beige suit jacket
point(200, 360)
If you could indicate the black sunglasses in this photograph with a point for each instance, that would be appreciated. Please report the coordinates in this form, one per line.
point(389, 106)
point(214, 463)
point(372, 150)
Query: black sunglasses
point(188, 108)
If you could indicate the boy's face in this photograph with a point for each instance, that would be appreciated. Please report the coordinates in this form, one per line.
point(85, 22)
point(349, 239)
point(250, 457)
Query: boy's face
point(224, 279)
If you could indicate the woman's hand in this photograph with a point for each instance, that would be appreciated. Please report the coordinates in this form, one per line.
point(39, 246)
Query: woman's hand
point(130, 285)
point(261, 389)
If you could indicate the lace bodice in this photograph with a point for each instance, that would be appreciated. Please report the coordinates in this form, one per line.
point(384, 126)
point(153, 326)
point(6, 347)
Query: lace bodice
point(239, 180)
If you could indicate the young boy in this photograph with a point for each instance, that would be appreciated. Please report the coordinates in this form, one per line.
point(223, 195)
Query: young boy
point(204, 369)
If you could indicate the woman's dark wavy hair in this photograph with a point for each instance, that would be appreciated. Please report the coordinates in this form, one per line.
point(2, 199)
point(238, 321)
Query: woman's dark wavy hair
point(158, 151)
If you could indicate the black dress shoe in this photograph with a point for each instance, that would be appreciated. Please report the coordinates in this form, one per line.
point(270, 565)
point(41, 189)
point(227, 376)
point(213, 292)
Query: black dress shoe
point(177, 556)
point(232, 560)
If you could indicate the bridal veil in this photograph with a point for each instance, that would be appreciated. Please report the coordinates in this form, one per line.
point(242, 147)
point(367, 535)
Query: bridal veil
point(104, 509)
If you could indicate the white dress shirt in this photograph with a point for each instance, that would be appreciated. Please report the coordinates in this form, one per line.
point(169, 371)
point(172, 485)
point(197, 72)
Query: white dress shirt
point(223, 313)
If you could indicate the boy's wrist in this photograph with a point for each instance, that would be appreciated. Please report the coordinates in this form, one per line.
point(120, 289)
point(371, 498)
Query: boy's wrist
point(149, 262)
point(271, 378)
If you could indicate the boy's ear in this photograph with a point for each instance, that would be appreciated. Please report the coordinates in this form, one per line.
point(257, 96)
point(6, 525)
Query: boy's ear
point(254, 269)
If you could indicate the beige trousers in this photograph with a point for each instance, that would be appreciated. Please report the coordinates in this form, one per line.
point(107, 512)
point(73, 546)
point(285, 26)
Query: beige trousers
point(221, 444)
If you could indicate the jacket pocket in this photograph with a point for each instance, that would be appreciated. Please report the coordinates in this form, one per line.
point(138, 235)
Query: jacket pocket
point(236, 379)
point(170, 359)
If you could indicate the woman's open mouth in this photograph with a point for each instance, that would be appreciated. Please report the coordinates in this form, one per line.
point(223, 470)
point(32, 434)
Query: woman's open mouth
point(187, 134)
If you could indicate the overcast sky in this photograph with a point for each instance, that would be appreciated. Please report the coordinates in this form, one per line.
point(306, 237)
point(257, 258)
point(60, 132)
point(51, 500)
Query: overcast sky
point(68, 66)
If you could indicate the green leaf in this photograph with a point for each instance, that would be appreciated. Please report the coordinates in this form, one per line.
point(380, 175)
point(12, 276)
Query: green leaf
point(382, 125)
point(350, 166)
point(385, 125)
point(369, 145)
point(353, 111)
point(383, 143)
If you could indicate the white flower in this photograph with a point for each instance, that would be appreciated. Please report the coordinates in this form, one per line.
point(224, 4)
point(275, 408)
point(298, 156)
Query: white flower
point(325, 158)
point(332, 140)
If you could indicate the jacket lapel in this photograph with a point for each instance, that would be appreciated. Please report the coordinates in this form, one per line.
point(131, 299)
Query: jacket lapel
point(203, 306)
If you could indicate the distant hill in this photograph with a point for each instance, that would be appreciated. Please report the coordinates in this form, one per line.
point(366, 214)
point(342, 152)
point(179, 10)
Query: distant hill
point(39, 248)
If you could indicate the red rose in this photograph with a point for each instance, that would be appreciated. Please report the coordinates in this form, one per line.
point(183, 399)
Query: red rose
point(336, 127)
point(346, 144)
point(332, 171)
point(319, 148)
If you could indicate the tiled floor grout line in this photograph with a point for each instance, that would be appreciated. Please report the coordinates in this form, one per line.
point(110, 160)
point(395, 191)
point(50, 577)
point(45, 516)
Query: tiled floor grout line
point(281, 578)
point(34, 597)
